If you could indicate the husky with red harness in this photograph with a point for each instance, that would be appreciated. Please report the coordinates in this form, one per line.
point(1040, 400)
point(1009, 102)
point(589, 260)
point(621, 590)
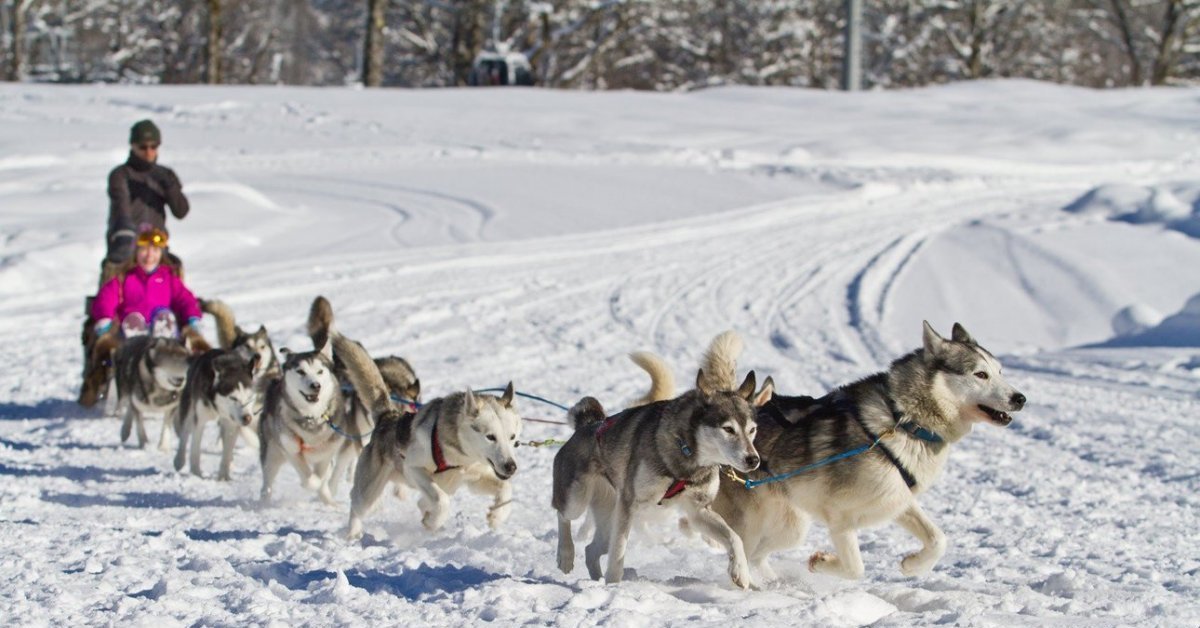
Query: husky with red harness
point(666, 453)
point(462, 439)
point(304, 416)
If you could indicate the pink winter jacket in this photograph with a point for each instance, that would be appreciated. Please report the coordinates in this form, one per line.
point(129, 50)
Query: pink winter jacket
point(145, 294)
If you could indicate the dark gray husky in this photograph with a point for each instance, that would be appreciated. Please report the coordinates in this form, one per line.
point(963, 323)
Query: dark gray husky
point(149, 374)
point(665, 453)
point(220, 387)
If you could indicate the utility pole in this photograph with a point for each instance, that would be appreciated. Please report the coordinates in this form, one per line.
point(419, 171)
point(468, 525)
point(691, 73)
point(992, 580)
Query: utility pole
point(852, 47)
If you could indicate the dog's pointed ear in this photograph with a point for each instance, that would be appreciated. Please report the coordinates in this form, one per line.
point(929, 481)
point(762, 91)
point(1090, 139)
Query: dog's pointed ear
point(701, 383)
point(507, 397)
point(959, 334)
point(932, 341)
point(746, 390)
point(764, 395)
point(414, 390)
point(469, 404)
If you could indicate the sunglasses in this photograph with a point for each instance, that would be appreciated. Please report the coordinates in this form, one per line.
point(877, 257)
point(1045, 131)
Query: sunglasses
point(146, 147)
point(155, 238)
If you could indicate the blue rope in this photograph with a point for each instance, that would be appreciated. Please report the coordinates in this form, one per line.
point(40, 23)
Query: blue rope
point(345, 435)
point(527, 396)
point(846, 454)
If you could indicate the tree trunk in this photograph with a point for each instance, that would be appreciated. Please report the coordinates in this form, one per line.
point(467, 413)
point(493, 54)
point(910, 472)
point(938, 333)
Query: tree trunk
point(1164, 60)
point(373, 44)
point(1122, 18)
point(214, 43)
point(16, 49)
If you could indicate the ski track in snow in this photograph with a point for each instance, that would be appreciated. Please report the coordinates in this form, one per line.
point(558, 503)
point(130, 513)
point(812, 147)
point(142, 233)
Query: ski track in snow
point(1083, 512)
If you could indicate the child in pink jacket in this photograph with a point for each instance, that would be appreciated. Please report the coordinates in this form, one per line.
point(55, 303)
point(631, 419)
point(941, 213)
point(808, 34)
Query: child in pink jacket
point(149, 296)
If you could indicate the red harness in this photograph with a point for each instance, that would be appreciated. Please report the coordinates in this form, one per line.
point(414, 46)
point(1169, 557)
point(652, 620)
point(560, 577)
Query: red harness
point(674, 490)
point(304, 447)
point(439, 459)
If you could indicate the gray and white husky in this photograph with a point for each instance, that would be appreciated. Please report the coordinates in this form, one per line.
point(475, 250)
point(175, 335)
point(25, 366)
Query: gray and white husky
point(399, 379)
point(149, 374)
point(220, 387)
point(911, 413)
point(231, 336)
point(665, 453)
point(460, 439)
point(303, 422)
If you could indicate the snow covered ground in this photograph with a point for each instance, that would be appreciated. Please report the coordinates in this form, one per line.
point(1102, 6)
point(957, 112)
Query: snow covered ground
point(538, 237)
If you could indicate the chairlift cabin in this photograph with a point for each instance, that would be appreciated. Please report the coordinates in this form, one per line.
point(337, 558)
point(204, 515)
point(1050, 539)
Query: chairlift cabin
point(493, 68)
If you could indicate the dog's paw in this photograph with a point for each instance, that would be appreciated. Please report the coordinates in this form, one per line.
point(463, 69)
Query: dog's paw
point(820, 561)
point(313, 482)
point(739, 573)
point(916, 564)
point(433, 519)
point(355, 531)
point(566, 561)
point(326, 496)
point(224, 476)
point(498, 515)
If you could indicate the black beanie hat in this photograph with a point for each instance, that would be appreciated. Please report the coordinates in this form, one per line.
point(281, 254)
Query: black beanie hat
point(144, 132)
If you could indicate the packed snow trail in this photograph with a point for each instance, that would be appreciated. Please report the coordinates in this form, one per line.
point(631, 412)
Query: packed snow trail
point(539, 237)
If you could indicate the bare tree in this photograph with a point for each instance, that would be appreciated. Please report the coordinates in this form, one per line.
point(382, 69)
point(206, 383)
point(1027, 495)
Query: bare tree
point(372, 75)
point(20, 9)
point(213, 56)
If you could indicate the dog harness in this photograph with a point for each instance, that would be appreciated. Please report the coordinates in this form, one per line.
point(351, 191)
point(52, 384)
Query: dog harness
point(843, 406)
point(673, 490)
point(678, 485)
point(439, 459)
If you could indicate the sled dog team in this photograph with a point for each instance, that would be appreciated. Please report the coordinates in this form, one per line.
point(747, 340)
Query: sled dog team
point(747, 468)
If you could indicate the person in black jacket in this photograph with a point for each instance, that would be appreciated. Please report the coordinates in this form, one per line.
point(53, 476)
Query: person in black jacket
point(139, 191)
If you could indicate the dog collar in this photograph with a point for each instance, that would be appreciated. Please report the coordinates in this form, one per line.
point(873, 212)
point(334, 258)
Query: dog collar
point(673, 490)
point(439, 459)
point(910, 426)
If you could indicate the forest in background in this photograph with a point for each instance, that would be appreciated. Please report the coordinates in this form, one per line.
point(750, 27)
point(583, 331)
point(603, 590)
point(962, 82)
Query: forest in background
point(599, 44)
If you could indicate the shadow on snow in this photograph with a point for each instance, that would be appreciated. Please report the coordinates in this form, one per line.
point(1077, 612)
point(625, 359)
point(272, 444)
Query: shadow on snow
point(410, 583)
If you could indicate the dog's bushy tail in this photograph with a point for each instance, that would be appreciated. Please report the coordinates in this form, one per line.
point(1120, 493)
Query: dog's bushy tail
point(227, 330)
point(720, 362)
point(585, 412)
point(320, 321)
point(662, 380)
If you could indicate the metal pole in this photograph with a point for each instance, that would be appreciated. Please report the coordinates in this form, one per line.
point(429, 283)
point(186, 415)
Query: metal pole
point(852, 57)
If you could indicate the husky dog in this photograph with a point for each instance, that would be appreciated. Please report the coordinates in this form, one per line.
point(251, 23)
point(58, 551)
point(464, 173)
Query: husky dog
point(399, 379)
point(149, 374)
point(649, 455)
point(911, 413)
point(231, 336)
point(304, 421)
point(220, 386)
point(462, 438)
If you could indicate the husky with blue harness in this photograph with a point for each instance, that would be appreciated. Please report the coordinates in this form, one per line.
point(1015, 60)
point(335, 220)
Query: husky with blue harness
point(862, 454)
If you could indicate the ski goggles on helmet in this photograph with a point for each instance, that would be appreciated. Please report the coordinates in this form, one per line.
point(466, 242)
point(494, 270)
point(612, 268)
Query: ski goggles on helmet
point(153, 237)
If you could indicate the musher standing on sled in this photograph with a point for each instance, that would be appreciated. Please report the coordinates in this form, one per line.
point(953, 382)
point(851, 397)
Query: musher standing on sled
point(139, 191)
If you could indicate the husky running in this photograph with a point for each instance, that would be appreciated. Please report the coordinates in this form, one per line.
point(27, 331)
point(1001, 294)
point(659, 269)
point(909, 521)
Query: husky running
point(149, 373)
point(665, 453)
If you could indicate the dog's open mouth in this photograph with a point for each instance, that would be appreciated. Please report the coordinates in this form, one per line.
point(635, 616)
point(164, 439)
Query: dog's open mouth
point(997, 417)
point(311, 398)
point(500, 474)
